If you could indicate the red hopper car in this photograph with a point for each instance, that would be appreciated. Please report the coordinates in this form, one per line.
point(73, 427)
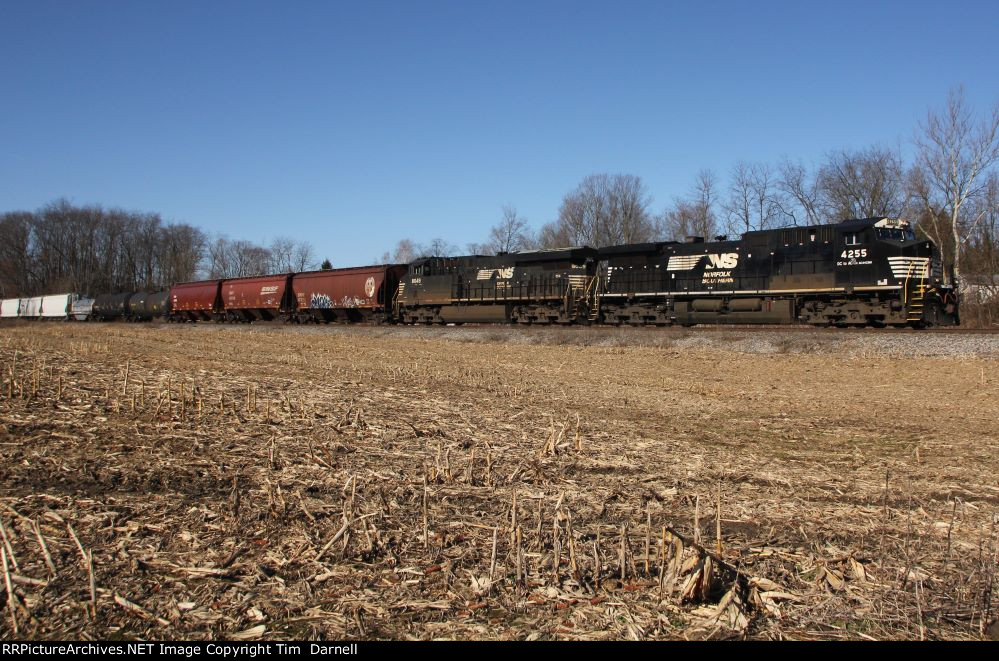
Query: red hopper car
point(352, 294)
point(193, 301)
point(261, 297)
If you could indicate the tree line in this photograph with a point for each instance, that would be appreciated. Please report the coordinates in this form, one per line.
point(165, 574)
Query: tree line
point(91, 249)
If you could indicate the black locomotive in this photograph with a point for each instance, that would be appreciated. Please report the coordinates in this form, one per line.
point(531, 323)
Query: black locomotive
point(871, 271)
point(545, 286)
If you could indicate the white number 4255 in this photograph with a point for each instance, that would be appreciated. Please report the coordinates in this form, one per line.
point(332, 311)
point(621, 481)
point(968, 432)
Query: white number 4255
point(854, 254)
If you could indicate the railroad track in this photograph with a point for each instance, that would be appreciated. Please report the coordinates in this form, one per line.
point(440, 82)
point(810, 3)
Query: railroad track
point(716, 328)
point(721, 328)
point(953, 330)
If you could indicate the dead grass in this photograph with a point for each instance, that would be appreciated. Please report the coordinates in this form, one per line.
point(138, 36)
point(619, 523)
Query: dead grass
point(209, 482)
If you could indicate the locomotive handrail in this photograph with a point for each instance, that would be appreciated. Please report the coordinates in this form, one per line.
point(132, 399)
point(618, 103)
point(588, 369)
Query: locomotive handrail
point(905, 285)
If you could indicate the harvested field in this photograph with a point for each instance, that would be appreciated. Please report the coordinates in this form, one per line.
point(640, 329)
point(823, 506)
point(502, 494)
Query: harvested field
point(266, 482)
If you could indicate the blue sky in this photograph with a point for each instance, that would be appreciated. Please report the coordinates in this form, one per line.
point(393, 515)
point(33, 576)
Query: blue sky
point(355, 124)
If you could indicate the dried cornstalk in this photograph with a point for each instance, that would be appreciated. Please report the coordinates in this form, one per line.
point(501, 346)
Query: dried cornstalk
point(648, 538)
point(426, 529)
point(10, 550)
point(697, 519)
point(520, 556)
point(136, 609)
point(88, 564)
point(624, 550)
point(10, 592)
point(45, 548)
point(718, 540)
point(492, 561)
point(338, 535)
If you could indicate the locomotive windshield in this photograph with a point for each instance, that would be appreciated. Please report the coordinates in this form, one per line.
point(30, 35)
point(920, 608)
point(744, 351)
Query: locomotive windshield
point(895, 234)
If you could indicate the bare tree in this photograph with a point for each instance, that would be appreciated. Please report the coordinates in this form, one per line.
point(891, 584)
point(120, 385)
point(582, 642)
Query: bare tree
point(237, 259)
point(510, 234)
point(956, 152)
point(705, 198)
point(553, 235)
point(219, 263)
point(405, 252)
point(289, 256)
point(183, 251)
point(438, 248)
point(281, 251)
point(17, 261)
point(983, 246)
point(250, 259)
point(303, 257)
point(693, 215)
point(682, 220)
point(603, 210)
point(801, 194)
point(739, 207)
point(862, 184)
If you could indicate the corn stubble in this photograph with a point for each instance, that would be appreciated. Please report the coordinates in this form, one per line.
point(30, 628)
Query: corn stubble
point(165, 482)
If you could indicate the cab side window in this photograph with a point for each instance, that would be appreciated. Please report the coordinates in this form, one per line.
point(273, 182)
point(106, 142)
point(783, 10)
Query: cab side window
point(852, 239)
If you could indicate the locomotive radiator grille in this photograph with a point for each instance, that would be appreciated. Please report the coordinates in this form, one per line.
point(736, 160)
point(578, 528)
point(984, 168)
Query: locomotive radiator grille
point(909, 267)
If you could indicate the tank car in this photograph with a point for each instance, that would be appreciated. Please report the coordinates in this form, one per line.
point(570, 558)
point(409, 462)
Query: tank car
point(135, 307)
point(157, 305)
point(110, 307)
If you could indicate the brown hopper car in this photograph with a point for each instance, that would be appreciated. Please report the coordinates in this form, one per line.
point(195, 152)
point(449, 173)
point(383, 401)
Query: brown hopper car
point(249, 299)
point(193, 301)
point(352, 294)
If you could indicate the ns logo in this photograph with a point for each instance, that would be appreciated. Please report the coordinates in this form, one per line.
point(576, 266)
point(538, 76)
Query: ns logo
point(725, 260)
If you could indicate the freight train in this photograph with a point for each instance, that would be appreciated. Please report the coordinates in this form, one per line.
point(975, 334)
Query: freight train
point(862, 272)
